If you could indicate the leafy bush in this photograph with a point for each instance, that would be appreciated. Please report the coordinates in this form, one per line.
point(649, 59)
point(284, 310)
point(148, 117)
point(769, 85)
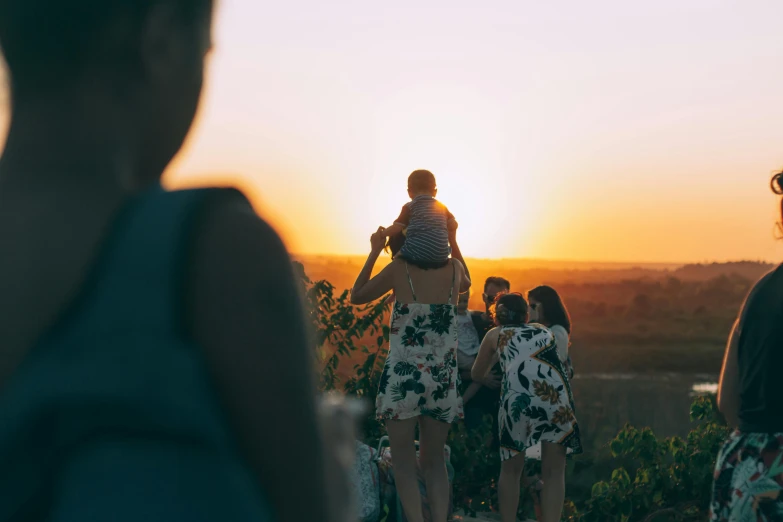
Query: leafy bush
point(340, 330)
point(670, 479)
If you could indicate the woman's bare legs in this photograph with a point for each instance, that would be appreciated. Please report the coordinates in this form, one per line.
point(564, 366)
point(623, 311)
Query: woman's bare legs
point(402, 436)
point(553, 464)
point(433, 435)
point(508, 487)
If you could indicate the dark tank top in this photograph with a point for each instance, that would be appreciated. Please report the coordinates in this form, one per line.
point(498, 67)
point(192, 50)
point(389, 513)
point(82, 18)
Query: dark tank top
point(113, 414)
point(760, 358)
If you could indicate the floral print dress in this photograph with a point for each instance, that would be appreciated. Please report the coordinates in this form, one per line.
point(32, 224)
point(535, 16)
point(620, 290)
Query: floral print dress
point(536, 403)
point(420, 376)
point(749, 479)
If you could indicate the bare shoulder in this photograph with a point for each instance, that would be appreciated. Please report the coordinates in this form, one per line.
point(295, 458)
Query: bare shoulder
point(397, 264)
point(493, 334)
point(559, 330)
point(459, 266)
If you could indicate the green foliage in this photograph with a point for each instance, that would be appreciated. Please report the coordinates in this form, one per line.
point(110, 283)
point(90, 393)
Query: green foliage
point(671, 479)
point(340, 331)
point(339, 327)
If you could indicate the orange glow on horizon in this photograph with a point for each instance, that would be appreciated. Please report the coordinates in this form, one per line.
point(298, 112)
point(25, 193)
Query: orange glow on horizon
point(601, 131)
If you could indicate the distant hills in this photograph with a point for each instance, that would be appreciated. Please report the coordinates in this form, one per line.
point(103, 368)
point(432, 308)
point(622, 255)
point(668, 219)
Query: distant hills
point(342, 270)
point(700, 272)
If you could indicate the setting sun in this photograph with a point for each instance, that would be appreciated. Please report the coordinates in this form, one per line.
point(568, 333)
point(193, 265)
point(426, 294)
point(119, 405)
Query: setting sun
point(554, 131)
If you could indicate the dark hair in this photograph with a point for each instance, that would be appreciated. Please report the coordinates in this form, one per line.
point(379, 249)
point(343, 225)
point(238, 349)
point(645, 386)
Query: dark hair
point(394, 244)
point(422, 181)
point(497, 281)
point(510, 310)
point(554, 309)
point(49, 43)
point(776, 184)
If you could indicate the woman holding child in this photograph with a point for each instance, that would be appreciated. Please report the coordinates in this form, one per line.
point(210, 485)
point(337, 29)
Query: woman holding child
point(536, 404)
point(419, 381)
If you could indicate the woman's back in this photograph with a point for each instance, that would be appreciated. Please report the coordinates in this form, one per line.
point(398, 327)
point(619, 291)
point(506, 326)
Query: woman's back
point(517, 344)
point(100, 106)
point(420, 375)
point(115, 403)
point(536, 403)
point(50, 239)
point(433, 286)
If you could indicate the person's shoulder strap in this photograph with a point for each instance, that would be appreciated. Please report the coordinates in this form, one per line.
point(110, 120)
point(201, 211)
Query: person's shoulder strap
point(453, 280)
point(410, 281)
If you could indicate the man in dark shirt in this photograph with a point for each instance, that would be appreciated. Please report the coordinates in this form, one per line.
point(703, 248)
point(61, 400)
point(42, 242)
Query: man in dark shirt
point(487, 400)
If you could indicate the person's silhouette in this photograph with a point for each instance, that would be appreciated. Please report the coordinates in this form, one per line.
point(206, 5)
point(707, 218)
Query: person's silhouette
point(153, 360)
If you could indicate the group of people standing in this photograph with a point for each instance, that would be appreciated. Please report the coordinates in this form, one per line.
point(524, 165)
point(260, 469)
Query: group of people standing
point(512, 357)
point(155, 364)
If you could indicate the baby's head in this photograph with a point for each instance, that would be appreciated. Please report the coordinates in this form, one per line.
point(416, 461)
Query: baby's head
point(422, 183)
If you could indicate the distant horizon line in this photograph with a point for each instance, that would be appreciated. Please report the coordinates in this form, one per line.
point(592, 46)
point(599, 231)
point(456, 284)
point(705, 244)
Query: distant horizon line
point(631, 264)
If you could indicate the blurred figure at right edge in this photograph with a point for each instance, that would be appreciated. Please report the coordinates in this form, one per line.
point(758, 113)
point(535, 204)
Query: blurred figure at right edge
point(749, 471)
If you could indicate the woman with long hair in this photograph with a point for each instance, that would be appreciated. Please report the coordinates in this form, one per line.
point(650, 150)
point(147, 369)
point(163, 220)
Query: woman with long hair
point(548, 309)
point(419, 382)
point(749, 471)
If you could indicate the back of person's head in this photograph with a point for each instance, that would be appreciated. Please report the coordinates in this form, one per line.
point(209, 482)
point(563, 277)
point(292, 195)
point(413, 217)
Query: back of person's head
point(422, 182)
point(500, 282)
point(141, 58)
point(554, 309)
point(49, 44)
point(777, 188)
point(511, 310)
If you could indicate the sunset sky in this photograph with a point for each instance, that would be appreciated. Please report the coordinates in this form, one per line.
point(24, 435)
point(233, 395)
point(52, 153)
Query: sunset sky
point(604, 130)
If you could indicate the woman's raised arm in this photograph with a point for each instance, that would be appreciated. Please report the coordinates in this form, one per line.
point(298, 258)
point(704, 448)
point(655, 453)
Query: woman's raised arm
point(366, 290)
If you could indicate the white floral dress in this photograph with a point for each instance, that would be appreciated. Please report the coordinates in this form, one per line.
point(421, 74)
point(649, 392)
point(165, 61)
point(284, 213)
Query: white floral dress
point(420, 376)
point(536, 404)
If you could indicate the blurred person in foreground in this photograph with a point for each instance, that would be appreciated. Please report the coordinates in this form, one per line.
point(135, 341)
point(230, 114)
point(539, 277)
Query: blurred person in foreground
point(749, 470)
point(154, 363)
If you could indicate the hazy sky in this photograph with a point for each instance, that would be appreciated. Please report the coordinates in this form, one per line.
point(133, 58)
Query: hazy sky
point(602, 130)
